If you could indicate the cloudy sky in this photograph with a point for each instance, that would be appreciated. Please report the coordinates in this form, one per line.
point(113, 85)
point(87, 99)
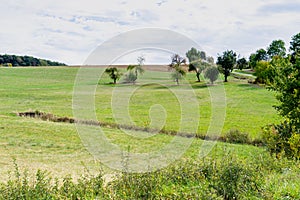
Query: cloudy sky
point(69, 30)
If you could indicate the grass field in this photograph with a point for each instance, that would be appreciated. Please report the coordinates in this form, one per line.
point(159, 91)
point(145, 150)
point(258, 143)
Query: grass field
point(57, 148)
point(50, 90)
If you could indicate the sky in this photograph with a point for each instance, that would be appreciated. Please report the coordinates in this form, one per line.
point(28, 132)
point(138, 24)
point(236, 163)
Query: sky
point(69, 31)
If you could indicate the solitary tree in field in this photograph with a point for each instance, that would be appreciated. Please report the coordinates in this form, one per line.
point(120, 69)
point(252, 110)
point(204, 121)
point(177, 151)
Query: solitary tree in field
point(113, 73)
point(227, 62)
point(211, 73)
point(176, 65)
point(135, 70)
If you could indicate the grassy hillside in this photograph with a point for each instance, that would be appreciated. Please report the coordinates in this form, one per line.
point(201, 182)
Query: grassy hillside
point(57, 148)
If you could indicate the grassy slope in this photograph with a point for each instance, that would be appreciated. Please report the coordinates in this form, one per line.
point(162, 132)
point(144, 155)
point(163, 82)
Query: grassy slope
point(57, 147)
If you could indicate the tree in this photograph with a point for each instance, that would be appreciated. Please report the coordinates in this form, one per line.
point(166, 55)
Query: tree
point(295, 44)
point(242, 63)
point(259, 55)
point(276, 48)
point(198, 61)
point(263, 72)
point(202, 55)
point(138, 69)
point(113, 73)
point(176, 65)
point(210, 59)
point(195, 58)
point(211, 73)
point(284, 138)
point(196, 68)
point(287, 85)
point(252, 60)
point(227, 62)
point(193, 55)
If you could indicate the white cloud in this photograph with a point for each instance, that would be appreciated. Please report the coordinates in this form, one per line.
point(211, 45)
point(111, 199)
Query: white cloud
point(68, 30)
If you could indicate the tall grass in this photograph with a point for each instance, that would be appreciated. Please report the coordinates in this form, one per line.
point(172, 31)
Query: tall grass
point(225, 178)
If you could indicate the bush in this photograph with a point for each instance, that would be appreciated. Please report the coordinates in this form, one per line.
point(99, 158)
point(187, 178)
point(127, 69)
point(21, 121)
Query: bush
point(208, 178)
point(44, 187)
point(232, 179)
point(130, 77)
point(235, 136)
point(211, 73)
point(282, 140)
point(264, 72)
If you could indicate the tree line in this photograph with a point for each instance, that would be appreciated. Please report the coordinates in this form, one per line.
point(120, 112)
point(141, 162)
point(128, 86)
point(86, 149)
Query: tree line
point(15, 60)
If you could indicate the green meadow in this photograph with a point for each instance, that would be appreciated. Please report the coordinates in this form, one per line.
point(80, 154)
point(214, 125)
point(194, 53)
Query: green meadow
point(33, 144)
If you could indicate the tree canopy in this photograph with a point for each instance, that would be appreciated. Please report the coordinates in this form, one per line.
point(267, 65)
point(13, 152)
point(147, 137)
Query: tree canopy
point(113, 73)
point(198, 61)
point(227, 62)
point(242, 63)
point(276, 48)
point(176, 65)
point(295, 44)
point(15, 60)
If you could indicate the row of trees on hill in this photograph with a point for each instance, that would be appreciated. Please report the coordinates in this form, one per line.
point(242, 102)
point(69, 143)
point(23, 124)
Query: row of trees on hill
point(273, 66)
point(14, 60)
point(198, 63)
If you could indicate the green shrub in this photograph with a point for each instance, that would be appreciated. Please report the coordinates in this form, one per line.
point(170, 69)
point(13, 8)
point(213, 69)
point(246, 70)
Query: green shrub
point(44, 187)
point(211, 73)
point(130, 77)
point(282, 140)
point(232, 179)
point(235, 136)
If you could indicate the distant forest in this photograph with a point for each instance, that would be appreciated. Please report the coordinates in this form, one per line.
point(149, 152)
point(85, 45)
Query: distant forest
point(14, 61)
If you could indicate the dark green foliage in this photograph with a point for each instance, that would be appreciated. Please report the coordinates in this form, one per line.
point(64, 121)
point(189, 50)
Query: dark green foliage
point(235, 136)
point(295, 43)
point(242, 63)
point(276, 48)
point(284, 139)
point(192, 67)
point(227, 62)
point(211, 73)
point(287, 85)
point(14, 60)
point(260, 55)
point(113, 73)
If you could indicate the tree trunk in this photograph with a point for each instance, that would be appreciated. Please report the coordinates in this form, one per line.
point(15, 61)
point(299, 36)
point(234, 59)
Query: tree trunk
point(198, 76)
point(115, 80)
point(226, 74)
point(226, 78)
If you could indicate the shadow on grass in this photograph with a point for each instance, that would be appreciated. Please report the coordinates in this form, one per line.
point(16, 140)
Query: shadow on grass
point(248, 86)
